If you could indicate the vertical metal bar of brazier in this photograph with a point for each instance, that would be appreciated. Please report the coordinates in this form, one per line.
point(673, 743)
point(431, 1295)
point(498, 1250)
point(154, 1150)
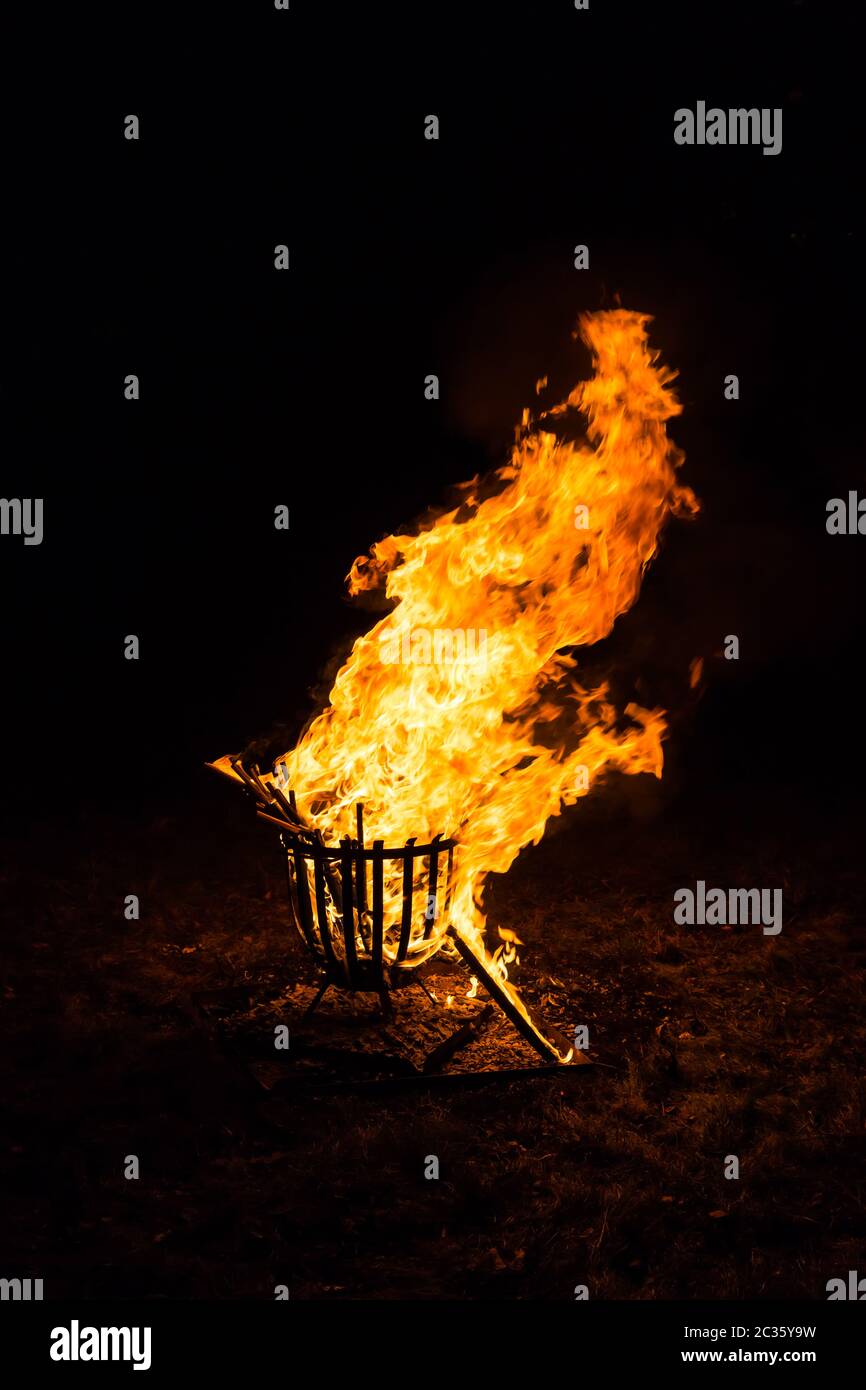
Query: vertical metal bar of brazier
point(331, 878)
point(449, 882)
point(323, 919)
point(302, 888)
point(294, 905)
point(378, 911)
point(348, 909)
point(406, 921)
point(361, 875)
point(431, 912)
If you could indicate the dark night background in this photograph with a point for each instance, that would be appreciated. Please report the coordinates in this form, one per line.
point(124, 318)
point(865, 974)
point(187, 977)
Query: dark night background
point(408, 257)
point(306, 387)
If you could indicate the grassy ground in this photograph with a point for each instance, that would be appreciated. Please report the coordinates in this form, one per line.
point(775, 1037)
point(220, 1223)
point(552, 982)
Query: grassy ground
point(714, 1042)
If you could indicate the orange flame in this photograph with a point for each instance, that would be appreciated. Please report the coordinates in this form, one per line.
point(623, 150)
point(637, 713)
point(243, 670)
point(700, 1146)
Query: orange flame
point(448, 715)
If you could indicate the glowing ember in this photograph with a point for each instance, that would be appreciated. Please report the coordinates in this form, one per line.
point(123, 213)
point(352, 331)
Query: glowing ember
point(459, 712)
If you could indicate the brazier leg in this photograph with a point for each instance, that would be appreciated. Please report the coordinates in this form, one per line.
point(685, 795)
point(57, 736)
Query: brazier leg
point(311, 1008)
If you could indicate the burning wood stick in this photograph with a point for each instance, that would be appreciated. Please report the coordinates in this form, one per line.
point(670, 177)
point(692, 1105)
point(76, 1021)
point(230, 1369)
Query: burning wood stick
point(290, 811)
point(461, 1036)
point(543, 1040)
point(241, 772)
point(265, 792)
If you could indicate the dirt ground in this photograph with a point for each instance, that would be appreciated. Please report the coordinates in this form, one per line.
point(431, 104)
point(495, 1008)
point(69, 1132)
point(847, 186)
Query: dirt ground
point(708, 1042)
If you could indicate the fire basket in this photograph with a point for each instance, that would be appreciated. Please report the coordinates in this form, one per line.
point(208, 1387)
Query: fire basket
point(337, 896)
point(337, 900)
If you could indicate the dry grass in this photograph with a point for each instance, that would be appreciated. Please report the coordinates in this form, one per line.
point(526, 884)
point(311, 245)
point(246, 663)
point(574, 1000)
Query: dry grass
point(715, 1043)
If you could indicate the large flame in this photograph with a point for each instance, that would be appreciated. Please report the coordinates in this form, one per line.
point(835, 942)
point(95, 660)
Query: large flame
point(459, 712)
